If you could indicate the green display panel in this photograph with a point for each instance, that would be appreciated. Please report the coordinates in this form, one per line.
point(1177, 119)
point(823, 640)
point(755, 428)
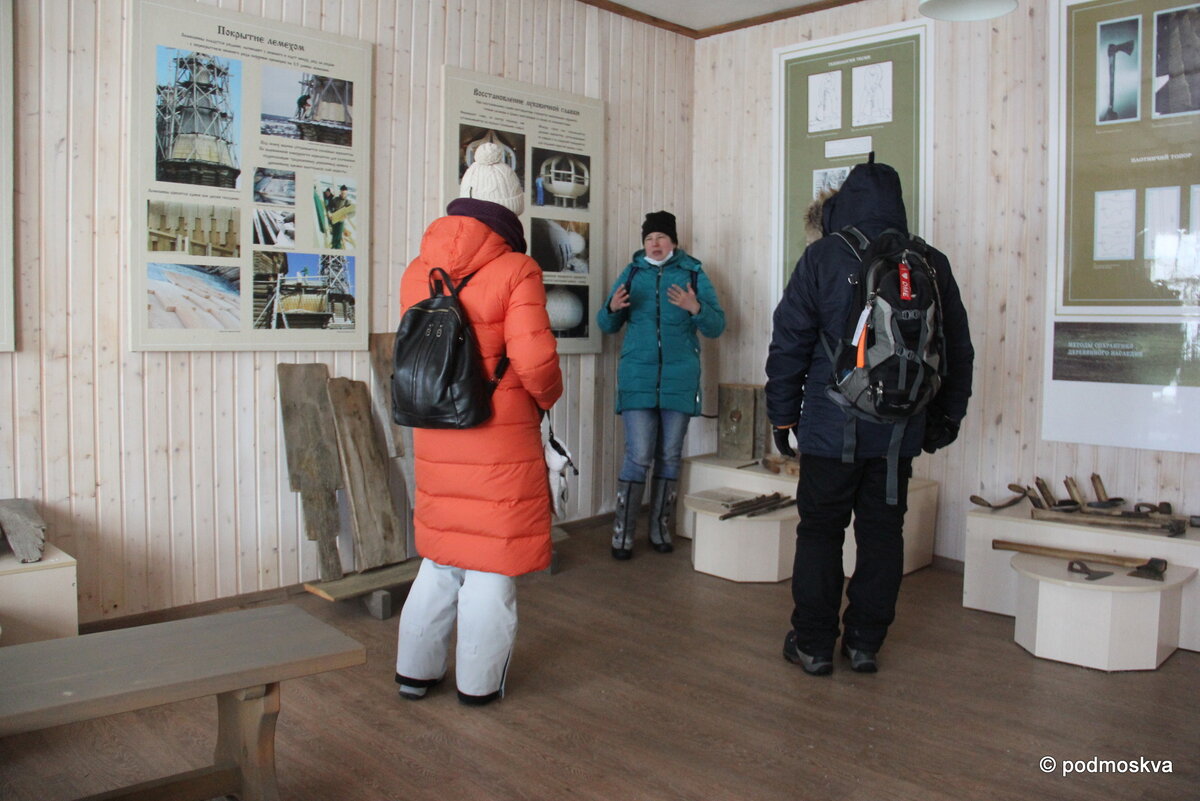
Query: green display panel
point(841, 100)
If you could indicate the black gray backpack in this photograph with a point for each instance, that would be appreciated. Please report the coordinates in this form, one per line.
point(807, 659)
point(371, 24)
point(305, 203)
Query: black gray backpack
point(437, 374)
point(890, 362)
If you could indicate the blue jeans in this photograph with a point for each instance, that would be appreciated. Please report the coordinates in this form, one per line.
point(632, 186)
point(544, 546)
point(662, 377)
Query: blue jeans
point(653, 435)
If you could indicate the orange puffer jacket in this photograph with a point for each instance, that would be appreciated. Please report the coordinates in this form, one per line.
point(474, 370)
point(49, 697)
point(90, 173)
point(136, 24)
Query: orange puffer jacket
point(482, 494)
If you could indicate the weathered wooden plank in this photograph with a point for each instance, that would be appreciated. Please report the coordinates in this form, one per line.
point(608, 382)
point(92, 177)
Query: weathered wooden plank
point(24, 528)
point(363, 583)
point(379, 535)
point(321, 523)
point(380, 346)
point(309, 435)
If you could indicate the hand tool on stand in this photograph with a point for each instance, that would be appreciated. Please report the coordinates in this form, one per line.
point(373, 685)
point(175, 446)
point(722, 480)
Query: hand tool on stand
point(1173, 527)
point(1030, 493)
point(1051, 501)
point(1102, 500)
point(1152, 569)
point(1013, 501)
point(750, 504)
point(1080, 566)
point(783, 503)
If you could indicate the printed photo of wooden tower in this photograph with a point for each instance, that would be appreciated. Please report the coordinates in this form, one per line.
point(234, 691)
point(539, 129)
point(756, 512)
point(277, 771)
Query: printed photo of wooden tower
point(195, 137)
point(328, 116)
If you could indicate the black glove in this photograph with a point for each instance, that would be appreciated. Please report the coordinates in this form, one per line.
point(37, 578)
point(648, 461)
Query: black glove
point(940, 431)
point(782, 441)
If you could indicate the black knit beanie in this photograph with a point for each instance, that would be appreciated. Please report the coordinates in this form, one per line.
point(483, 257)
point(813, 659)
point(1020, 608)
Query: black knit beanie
point(662, 222)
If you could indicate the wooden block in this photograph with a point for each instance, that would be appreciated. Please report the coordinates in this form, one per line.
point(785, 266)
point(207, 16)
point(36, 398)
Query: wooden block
point(379, 534)
point(24, 528)
point(735, 421)
point(309, 436)
point(379, 604)
point(762, 426)
point(363, 583)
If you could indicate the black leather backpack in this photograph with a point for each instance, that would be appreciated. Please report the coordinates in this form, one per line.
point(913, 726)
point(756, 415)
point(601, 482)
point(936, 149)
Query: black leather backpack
point(437, 374)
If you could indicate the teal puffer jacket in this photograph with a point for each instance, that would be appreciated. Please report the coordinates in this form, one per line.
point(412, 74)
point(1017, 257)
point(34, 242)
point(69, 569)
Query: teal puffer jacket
point(660, 356)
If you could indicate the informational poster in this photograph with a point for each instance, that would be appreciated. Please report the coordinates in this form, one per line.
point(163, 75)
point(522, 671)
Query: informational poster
point(555, 143)
point(250, 183)
point(838, 100)
point(1123, 330)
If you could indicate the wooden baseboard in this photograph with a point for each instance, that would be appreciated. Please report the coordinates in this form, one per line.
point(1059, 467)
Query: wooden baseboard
point(946, 563)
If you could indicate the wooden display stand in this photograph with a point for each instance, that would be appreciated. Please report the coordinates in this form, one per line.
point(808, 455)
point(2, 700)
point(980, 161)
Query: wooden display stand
point(711, 472)
point(990, 583)
point(1119, 622)
point(38, 600)
point(760, 548)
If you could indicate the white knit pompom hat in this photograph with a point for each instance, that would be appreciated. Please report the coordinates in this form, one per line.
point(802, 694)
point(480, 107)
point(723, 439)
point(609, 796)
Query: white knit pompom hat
point(489, 178)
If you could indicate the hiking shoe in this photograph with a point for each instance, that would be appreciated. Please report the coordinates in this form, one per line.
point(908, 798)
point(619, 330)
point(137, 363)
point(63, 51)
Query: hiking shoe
point(860, 661)
point(812, 665)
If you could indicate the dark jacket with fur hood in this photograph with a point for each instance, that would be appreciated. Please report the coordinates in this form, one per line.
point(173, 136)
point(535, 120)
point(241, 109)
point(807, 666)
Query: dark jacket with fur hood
point(818, 298)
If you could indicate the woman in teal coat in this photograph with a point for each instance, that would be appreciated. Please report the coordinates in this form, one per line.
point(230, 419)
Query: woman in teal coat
point(664, 297)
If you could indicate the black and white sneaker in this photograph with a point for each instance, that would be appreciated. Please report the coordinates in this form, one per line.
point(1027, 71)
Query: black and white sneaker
point(820, 665)
point(860, 661)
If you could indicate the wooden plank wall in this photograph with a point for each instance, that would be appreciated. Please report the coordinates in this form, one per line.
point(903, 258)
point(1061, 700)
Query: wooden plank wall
point(164, 473)
point(989, 195)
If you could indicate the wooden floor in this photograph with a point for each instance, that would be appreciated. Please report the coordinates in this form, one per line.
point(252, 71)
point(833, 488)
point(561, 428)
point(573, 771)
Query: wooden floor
point(644, 680)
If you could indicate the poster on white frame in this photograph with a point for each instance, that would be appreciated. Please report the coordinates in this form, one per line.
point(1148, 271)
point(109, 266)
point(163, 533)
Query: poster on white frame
point(1122, 349)
point(554, 141)
point(250, 183)
point(836, 101)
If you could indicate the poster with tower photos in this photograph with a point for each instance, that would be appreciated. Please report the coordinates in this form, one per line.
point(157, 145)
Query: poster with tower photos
point(554, 141)
point(250, 145)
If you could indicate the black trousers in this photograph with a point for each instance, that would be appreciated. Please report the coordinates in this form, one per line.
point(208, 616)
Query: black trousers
point(829, 490)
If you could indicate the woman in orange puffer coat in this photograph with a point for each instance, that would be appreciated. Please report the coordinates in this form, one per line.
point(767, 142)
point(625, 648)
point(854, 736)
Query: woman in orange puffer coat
point(482, 512)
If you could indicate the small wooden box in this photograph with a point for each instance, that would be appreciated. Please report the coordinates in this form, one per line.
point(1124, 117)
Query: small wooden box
point(38, 600)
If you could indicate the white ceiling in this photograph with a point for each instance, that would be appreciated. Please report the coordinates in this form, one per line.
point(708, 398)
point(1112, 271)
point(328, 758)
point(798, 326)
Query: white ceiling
point(701, 14)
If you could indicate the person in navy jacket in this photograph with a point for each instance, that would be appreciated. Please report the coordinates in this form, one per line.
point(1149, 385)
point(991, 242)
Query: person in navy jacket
point(833, 483)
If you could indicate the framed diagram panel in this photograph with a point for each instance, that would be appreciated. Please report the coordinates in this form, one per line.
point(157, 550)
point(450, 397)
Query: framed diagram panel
point(555, 142)
point(250, 183)
point(1123, 322)
point(836, 101)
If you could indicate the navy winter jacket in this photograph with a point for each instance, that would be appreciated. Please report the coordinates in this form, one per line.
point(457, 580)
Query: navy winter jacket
point(818, 298)
point(660, 355)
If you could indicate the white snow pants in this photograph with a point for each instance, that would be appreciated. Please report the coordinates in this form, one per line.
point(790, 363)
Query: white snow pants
point(486, 608)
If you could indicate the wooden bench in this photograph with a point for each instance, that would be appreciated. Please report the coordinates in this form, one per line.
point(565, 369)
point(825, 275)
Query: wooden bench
point(240, 657)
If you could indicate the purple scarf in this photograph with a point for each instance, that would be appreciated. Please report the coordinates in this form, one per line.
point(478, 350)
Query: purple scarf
point(499, 218)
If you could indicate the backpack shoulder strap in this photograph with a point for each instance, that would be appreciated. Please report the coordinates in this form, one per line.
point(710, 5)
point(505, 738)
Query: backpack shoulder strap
point(633, 268)
point(855, 239)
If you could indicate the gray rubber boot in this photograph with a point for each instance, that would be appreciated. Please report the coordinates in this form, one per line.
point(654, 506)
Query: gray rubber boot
point(629, 503)
point(662, 510)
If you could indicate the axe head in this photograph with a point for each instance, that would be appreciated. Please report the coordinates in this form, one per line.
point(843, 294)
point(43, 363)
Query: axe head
point(1153, 570)
point(1077, 566)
